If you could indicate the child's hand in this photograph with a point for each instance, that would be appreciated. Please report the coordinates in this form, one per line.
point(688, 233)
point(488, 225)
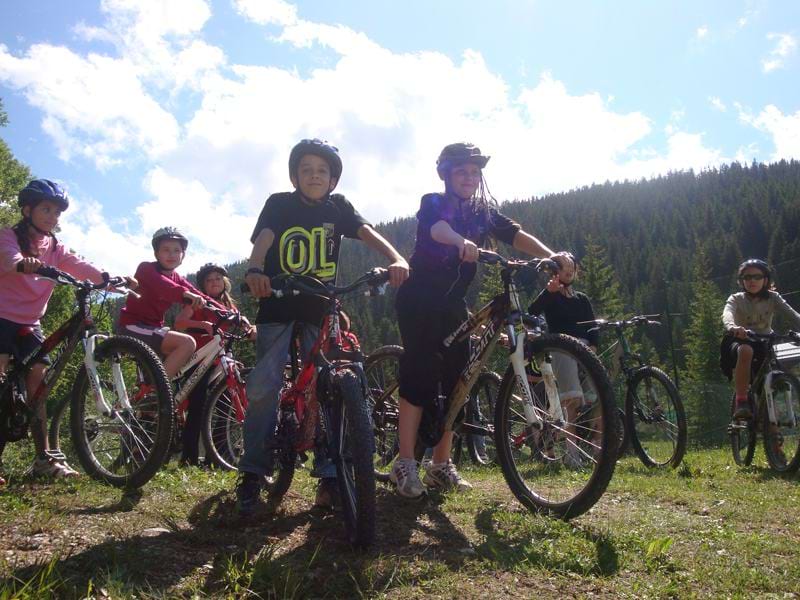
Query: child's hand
point(554, 285)
point(209, 327)
point(30, 264)
point(252, 335)
point(196, 301)
point(131, 282)
point(468, 252)
point(739, 332)
point(398, 272)
point(260, 285)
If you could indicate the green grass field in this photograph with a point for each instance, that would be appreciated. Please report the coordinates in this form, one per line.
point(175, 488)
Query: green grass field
point(707, 529)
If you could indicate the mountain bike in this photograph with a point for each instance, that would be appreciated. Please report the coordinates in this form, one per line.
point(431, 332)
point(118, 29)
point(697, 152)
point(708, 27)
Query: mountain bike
point(325, 406)
point(655, 420)
point(382, 370)
point(556, 457)
point(121, 403)
point(775, 404)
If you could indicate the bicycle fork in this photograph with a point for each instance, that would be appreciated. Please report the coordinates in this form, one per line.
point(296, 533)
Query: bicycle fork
point(551, 388)
point(89, 347)
point(791, 419)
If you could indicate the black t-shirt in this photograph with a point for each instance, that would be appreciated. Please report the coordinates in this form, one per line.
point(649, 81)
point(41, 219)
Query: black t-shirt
point(437, 266)
point(562, 314)
point(307, 242)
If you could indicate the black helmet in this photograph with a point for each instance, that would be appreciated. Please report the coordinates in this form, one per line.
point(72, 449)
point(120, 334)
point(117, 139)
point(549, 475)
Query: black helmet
point(319, 148)
point(458, 154)
point(169, 233)
point(39, 190)
point(207, 269)
point(758, 264)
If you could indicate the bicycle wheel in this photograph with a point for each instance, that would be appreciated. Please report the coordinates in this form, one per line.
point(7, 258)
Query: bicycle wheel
point(563, 467)
point(743, 438)
point(381, 369)
point(128, 446)
point(350, 436)
point(480, 411)
point(655, 418)
point(782, 439)
point(223, 427)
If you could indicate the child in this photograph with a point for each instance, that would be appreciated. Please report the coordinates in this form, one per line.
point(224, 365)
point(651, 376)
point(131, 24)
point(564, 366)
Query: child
point(563, 308)
point(159, 288)
point(212, 280)
point(753, 308)
point(297, 232)
point(24, 298)
point(451, 228)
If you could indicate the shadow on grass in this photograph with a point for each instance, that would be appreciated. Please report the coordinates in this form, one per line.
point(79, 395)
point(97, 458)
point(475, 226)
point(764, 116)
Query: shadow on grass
point(530, 542)
point(127, 502)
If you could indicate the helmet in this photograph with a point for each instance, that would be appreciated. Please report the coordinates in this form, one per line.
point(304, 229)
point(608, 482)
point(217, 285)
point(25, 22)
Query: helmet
point(758, 264)
point(319, 148)
point(458, 154)
point(169, 233)
point(39, 190)
point(207, 269)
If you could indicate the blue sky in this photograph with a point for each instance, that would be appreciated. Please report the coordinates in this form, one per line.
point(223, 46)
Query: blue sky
point(183, 111)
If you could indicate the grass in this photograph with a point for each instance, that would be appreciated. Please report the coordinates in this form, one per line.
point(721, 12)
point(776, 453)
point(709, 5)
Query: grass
point(706, 529)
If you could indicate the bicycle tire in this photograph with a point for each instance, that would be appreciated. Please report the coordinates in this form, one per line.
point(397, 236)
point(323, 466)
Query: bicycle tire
point(656, 419)
point(144, 433)
point(743, 438)
point(483, 392)
point(223, 433)
point(623, 439)
point(381, 369)
point(786, 403)
point(561, 490)
point(351, 439)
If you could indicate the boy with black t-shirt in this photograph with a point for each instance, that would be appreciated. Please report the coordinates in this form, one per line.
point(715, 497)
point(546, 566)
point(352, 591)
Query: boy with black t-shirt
point(297, 232)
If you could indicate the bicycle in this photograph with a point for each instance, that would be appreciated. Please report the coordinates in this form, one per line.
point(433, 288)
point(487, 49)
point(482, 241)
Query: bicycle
point(121, 402)
point(654, 417)
point(381, 369)
point(553, 462)
point(776, 409)
point(324, 406)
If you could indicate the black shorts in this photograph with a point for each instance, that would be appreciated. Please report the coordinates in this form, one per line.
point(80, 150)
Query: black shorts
point(424, 323)
point(729, 354)
point(152, 336)
point(21, 346)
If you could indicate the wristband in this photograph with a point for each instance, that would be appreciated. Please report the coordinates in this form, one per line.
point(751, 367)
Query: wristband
point(254, 270)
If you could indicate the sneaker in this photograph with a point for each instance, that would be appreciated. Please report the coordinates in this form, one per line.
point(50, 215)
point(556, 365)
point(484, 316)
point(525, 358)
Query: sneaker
point(53, 464)
point(742, 411)
point(248, 492)
point(327, 493)
point(445, 476)
point(404, 475)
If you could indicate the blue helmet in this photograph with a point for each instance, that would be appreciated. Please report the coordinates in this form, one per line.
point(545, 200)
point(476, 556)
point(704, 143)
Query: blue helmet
point(40, 190)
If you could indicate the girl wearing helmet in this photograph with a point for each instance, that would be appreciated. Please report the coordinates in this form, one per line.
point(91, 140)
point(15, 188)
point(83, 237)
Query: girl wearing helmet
point(23, 298)
point(212, 280)
point(159, 288)
point(753, 308)
point(451, 227)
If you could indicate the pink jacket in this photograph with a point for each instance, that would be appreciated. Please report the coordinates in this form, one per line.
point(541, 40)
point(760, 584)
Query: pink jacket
point(23, 298)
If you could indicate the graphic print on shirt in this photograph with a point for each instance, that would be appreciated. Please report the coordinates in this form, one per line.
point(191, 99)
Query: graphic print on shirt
point(305, 252)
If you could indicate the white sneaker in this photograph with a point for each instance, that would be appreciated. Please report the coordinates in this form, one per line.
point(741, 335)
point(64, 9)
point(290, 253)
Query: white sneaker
point(52, 465)
point(445, 476)
point(404, 475)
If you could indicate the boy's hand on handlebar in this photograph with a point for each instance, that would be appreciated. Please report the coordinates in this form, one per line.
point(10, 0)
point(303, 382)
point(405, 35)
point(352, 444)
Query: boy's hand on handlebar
point(195, 300)
point(398, 272)
point(131, 283)
point(209, 327)
point(468, 252)
point(739, 332)
point(30, 264)
point(259, 284)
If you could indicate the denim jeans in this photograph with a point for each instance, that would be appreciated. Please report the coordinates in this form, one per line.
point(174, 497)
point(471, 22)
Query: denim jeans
point(263, 396)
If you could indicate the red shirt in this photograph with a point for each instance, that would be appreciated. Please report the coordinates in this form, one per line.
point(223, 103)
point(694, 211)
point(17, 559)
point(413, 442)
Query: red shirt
point(158, 292)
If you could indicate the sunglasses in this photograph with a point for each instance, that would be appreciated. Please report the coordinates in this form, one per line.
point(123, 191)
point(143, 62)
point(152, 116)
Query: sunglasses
point(757, 277)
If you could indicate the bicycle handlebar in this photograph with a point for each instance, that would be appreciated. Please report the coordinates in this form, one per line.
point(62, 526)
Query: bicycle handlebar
point(792, 337)
point(638, 320)
point(488, 257)
point(119, 284)
point(294, 285)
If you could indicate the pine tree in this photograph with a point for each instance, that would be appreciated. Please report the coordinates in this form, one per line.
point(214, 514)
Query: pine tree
point(598, 281)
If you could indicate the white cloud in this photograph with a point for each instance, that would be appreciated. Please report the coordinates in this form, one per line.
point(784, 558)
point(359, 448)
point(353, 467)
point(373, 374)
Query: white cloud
point(785, 47)
point(701, 32)
point(717, 104)
point(784, 129)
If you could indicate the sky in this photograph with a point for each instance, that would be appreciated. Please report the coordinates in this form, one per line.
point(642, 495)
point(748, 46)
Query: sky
point(183, 112)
